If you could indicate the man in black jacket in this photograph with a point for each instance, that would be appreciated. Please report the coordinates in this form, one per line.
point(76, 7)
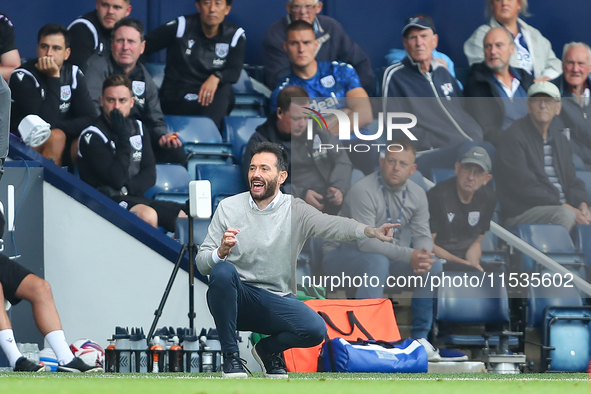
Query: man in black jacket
point(127, 46)
point(499, 91)
point(321, 177)
point(574, 85)
point(91, 32)
point(334, 44)
point(54, 90)
point(204, 57)
point(536, 177)
point(116, 157)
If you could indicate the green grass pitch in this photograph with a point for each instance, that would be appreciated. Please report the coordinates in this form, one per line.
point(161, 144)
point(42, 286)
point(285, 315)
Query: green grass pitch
point(325, 383)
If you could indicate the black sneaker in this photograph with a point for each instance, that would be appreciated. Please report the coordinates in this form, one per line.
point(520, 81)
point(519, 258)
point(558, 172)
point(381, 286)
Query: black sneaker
point(23, 364)
point(233, 366)
point(77, 366)
point(272, 364)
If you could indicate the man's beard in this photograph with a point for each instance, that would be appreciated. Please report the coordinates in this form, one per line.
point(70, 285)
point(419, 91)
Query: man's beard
point(270, 189)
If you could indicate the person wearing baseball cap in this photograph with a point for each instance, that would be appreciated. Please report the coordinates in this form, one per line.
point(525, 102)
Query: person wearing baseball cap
point(536, 177)
point(460, 211)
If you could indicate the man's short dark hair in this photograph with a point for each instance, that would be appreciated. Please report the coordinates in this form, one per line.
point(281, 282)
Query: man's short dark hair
point(292, 93)
point(228, 2)
point(406, 146)
point(276, 149)
point(129, 22)
point(298, 25)
point(52, 29)
point(116, 80)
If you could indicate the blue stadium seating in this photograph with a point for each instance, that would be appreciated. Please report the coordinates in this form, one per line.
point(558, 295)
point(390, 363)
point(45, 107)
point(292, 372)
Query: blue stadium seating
point(248, 101)
point(172, 183)
point(554, 241)
point(492, 255)
point(200, 227)
point(585, 176)
point(202, 141)
point(156, 71)
point(565, 326)
point(583, 241)
point(474, 306)
point(238, 130)
point(442, 174)
point(417, 178)
point(226, 180)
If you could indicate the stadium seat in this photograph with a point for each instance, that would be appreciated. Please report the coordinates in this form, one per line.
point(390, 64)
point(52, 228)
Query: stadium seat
point(248, 101)
point(201, 139)
point(554, 241)
point(156, 71)
point(238, 130)
point(585, 176)
point(417, 178)
point(442, 174)
point(583, 241)
point(565, 326)
point(200, 227)
point(487, 304)
point(226, 181)
point(172, 183)
point(493, 257)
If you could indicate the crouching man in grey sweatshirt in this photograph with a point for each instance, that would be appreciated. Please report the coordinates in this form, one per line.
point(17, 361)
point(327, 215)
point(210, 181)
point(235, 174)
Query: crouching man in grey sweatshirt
point(250, 254)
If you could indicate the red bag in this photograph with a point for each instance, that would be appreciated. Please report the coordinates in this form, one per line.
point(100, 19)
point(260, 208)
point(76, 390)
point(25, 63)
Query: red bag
point(347, 319)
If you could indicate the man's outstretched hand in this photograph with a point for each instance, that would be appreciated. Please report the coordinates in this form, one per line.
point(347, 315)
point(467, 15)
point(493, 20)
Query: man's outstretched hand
point(383, 233)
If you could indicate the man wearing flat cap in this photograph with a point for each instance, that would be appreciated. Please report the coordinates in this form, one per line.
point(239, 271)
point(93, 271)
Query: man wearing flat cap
point(535, 173)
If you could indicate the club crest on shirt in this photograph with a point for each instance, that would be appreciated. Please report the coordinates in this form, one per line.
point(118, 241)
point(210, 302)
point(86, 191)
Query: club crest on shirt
point(450, 216)
point(222, 49)
point(473, 218)
point(138, 87)
point(136, 142)
point(65, 93)
point(447, 88)
point(328, 82)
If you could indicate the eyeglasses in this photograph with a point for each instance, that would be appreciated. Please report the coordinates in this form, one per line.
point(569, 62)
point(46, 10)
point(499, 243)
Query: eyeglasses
point(299, 7)
point(545, 100)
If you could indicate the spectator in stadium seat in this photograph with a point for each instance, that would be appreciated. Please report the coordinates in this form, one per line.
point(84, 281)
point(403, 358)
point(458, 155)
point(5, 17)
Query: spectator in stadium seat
point(334, 44)
point(460, 211)
point(535, 176)
point(9, 56)
point(336, 83)
point(533, 51)
point(91, 32)
point(422, 86)
point(116, 157)
point(127, 46)
point(55, 90)
point(495, 78)
point(250, 254)
point(314, 173)
point(204, 57)
point(574, 85)
point(388, 196)
point(17, 283)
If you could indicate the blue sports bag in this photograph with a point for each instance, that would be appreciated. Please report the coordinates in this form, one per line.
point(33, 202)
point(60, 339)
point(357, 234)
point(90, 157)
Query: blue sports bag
point(406, 356)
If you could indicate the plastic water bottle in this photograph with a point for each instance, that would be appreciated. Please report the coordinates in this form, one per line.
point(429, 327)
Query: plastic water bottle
point(30, 351)
point(111, 357)
point(206, 356)
point(175, 358)
point(122, 344)
point(156, 355)
point(139, 357)
point(191, 350)
point(214, 344)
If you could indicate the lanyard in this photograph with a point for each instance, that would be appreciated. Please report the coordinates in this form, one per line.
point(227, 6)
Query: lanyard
point(399, 219)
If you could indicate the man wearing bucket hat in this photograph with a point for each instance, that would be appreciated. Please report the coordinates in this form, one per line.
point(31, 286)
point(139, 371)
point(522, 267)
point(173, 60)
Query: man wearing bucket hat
point(535, 173)
point(460, 210)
